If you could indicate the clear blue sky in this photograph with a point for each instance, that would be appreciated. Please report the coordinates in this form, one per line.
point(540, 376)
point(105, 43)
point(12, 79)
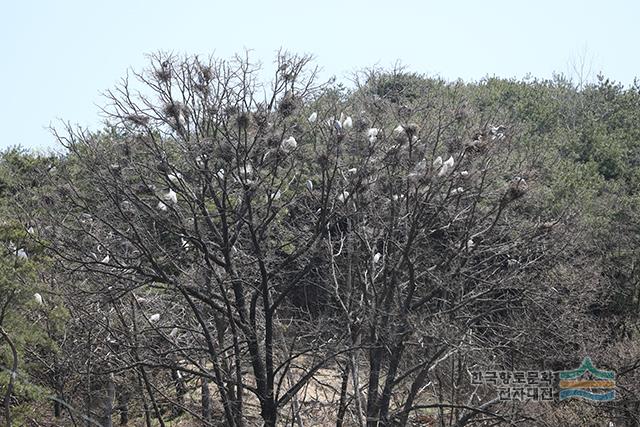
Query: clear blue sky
point(57, 56)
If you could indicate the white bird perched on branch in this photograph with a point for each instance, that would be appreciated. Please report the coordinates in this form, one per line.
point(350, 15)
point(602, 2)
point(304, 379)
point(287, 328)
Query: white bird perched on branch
point(22, 253)
point(456, 191)
point(377, 257)
point(154, 317)
point(446, 167)
point(347, 123)
point(399, 132)
point(162, 206)
point(372, 134)
point(106, 259)
point(352, 171)
point(470, 244)
point(276, 195)
point(309, 185)
point(173, 332)
point(343, 196)
point(38, 298)
point(449, 162)
point(313, 117)
point(171, 197)
point(175, 178)
point(288, 144)
point(220, 174)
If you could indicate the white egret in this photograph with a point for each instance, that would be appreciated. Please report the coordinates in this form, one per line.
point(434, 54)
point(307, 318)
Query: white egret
point(343, 196)
point(347, 123)
point(220, 174)
point(443, 170)
point(154, 317)
point(399, 132)
point(170, 196)
point(437, 162)
point(289, 144)
point(377, 257)
point(464, 174)
point(162, 206)
point(175, 178)
point(173, 332)
point(22, 253)
point(313, 117)
point(470, 244)
point(352, 171)
point(372, 134)
point(449, 162)
point(457, 191)
point(309, 185)
point(276, 195)
point(106, 259)
point(38, 298)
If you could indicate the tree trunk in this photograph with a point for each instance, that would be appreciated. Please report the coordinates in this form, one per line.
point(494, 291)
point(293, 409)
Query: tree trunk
point(206, 400)
point(107, 414)
point(342, 407)
point(12, 377)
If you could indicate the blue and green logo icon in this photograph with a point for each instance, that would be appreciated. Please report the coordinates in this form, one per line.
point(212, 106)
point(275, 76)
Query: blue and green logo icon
point(587, 383)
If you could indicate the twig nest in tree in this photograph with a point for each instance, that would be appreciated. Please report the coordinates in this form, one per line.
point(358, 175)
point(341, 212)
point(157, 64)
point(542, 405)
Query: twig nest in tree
point(289, 144)
point(313, 117)
point(38, 298)
point(517, 188)
point(154, 317)
point(343, 196)
point(372, 134)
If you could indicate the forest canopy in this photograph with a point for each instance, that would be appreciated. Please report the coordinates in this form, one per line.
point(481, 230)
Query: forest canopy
point(232, 251)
